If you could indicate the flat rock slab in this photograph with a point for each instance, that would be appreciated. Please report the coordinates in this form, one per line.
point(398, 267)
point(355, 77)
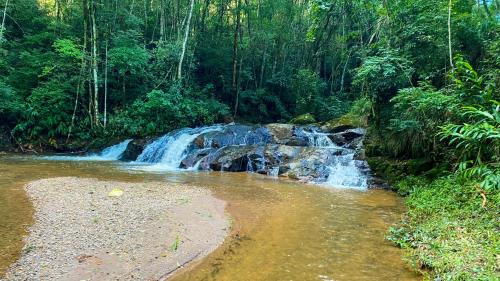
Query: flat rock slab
point(151, 230)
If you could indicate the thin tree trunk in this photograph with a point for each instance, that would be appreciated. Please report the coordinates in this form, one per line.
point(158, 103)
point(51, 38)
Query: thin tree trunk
point(263, 66)
point(236, 104)
point(2, 28)
point(106, 86)
point(78, 87)
point(184, 44)
point(449, 35)
point(235, 44)
point(204, 15)
point(162, 20)
point(343, 72)
point(94, 65)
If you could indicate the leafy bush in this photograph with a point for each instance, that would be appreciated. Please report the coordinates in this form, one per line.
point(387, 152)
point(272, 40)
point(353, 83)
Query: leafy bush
point(417, 114)
point(307, 88)
point(478, 144)
point(48, 113)
point(382, 75)
point(11, 106)
point(261, 107)
point(164, 111)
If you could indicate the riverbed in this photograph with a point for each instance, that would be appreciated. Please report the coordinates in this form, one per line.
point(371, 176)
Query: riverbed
point(281, 230)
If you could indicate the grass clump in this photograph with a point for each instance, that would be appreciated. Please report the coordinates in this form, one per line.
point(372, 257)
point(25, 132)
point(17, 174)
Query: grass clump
point(449, 232)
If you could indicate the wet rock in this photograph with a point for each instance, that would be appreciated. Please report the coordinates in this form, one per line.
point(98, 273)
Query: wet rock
point(280, 133)
point(360, 154)
point(230, 158)
point(352, 134)
point(134, 149)
point(296, 141)
point(312, 162)
point(194, 158)
point(337, 139)
point(233, 135)
point(335, 128)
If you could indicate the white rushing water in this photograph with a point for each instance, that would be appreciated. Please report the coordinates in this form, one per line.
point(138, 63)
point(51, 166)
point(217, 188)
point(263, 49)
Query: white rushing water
point(318, 139)
point(167, 152)
point(111, 153)
point(344, 173)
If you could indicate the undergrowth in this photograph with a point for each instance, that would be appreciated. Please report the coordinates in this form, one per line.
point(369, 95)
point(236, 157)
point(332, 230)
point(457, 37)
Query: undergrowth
point(450, 232)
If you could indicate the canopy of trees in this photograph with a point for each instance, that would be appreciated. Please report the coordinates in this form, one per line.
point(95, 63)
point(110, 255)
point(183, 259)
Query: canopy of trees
point(77, 69)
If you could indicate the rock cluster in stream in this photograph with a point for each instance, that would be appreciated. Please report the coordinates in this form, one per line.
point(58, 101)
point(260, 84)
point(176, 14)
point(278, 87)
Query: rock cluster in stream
point(297, 152)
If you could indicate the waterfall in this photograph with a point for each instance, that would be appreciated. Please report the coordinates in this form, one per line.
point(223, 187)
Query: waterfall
point(345, 172)
point(168, 151)
point(317, 139)
point(223, 147)
point(111, 153)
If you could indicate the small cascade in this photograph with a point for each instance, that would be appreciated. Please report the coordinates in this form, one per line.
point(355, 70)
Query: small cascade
point(317, 139)
point(304, 153)
point(168, 151)
point(111, 153)
point(346, 172)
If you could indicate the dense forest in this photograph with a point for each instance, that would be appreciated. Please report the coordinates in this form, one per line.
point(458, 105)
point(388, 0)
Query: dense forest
point(421, 75)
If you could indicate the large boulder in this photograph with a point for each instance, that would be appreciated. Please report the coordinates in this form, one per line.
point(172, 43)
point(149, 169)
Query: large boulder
point(280, 133)
point(231, 158)
point(134, 149)
point(233, 135)
point(311, 163)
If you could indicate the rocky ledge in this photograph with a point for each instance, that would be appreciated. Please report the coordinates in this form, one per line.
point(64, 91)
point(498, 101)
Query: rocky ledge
point(306, 153)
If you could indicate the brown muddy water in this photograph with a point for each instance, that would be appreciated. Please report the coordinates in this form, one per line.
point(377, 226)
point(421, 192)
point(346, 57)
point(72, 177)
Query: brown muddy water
point(281, 230)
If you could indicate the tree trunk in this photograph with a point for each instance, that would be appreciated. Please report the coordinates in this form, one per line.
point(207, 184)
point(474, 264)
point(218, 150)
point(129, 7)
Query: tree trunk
point(106, 86)
point(2, 28)
point(162, 20)
point(94, 65)
point(184, 44)
point(449, 35)
point(235, 44)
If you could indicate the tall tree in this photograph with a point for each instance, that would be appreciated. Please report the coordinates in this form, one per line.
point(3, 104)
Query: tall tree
point(184, 43)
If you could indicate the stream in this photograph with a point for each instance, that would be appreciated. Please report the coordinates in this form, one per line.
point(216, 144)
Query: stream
point(330, 228)
point(282, 230)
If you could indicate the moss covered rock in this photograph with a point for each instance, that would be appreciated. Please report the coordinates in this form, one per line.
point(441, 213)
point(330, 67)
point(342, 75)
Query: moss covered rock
point(303, 119)
point(343, 123)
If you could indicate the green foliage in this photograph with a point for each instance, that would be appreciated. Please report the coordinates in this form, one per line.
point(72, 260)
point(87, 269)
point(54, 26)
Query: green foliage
point(11, 106)
point(417, 114)
point(162, 111)
point(447, 232)
point(478, 144)
point(68, 48)
point(128, 60)
point(382, 75)
point(262, 107)
point(307, 88)
point(303, 119)
point(471, 87)
point(48, 113)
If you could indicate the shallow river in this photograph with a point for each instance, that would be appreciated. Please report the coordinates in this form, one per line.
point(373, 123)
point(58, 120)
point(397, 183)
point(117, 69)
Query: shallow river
point(281, 230)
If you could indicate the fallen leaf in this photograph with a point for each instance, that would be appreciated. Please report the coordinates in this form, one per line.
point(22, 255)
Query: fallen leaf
point(116, 192)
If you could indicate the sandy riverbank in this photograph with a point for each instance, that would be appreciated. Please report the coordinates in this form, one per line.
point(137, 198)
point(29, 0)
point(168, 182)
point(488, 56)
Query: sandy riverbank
point(151, 230)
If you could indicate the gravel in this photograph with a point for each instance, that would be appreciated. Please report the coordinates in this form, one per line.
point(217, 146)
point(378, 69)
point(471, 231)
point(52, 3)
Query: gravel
point(81, 233)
